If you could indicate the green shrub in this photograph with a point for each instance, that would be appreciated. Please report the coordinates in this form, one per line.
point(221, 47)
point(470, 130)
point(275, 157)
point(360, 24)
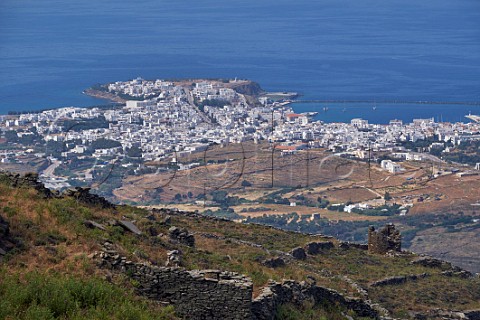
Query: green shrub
point(40, 296)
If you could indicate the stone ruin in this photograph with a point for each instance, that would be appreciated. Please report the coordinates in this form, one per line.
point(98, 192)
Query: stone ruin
point(196, 294)
point(181, 236)
point(384, 240)
point(222, 295)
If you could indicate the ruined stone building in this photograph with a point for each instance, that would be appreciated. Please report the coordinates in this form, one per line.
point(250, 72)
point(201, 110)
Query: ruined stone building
point(384, 240)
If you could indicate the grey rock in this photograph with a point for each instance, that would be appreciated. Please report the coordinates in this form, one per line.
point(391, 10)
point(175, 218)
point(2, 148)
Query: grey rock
point(127, 225)
point(92, 225)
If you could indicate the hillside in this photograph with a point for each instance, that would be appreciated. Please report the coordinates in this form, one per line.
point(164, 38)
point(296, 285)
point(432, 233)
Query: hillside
point(108, 262)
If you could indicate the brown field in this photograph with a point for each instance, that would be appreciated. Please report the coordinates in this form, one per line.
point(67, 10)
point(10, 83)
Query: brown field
point(314, 173)
point(304, 210)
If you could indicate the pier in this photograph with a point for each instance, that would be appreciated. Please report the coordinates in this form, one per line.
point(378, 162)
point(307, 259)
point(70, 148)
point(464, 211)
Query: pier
point(473, 117)
point(465, 103)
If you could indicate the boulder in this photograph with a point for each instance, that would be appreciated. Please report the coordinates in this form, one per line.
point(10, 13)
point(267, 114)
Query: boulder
point(274, 262)
point(299, 253)
point(129, 226)
point(92, 225)
point(317, 247)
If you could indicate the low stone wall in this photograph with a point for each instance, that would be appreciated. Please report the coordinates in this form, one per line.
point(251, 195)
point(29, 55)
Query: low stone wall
point(197, 294)
point(314, 248)
point(29, 180)
point(345, 245)
point(398, 280)
point(83, 195)
point(214, 294)
point(265, 305)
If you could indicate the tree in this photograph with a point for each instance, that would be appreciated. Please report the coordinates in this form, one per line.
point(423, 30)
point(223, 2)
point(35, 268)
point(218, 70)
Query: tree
point(134, 152)
point(387, 196)
point(105, 144)
point(245, 184)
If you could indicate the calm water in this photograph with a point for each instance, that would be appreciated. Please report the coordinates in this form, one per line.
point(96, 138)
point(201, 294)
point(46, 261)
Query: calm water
point(51, 50)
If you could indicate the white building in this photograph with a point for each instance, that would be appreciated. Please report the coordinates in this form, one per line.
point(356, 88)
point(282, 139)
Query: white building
point(390, 166)
point(359, 123)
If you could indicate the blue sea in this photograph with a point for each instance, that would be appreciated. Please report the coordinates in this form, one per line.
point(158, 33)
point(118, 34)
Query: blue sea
point(51, 50)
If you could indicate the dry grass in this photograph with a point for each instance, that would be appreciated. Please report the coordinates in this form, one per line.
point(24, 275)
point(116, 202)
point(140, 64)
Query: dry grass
point(55, 240)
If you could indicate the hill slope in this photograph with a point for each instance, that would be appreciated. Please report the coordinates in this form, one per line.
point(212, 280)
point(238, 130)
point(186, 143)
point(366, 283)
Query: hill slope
point(60, 245)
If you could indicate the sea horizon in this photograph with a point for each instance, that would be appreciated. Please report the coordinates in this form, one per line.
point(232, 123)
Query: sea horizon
point(51, 51)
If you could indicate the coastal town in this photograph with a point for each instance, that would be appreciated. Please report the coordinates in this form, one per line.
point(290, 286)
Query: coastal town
point(171, 120)
point(228, 149)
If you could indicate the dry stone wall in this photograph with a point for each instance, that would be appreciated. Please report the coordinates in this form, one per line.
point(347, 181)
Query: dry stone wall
point(196, 294)
point(276, 294)
point(29, 180)
point(214, 294)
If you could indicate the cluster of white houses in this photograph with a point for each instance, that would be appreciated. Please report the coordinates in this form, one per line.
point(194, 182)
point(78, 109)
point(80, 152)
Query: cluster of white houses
point(178, 120)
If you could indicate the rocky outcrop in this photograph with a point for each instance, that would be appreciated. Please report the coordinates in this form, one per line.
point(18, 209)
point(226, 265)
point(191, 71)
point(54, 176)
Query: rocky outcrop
point(385, 240)
point(249, 88)
point(84, 196)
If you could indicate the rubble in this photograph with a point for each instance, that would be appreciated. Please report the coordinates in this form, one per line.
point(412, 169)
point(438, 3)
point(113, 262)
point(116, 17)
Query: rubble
point(182, 236)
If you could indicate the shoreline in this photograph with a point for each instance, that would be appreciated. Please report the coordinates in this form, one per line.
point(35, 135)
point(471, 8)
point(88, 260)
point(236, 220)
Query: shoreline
point(103, 95)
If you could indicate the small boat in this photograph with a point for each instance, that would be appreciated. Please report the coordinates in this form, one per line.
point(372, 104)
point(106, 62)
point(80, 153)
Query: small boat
point(325, 109)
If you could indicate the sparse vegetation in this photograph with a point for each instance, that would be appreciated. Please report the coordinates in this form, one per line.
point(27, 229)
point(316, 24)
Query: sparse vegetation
point(53, 296)
point(53, 240)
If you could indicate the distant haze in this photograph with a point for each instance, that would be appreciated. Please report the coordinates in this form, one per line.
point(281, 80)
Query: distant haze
point(51, 50)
